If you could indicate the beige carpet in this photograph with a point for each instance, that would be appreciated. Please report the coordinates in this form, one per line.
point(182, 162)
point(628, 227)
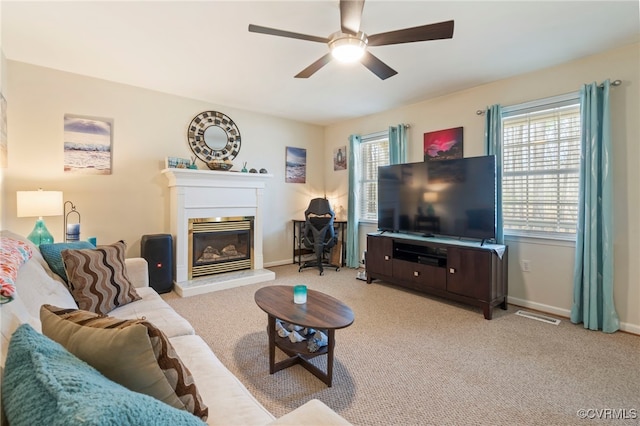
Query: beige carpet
point(410, 359)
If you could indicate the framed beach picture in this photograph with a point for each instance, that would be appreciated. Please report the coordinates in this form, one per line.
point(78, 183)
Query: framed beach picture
point(87, 145)
point(296, 165)
point(443, 144)
point(340, 158)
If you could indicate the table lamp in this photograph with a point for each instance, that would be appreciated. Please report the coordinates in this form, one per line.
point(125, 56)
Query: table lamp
point(38, 204)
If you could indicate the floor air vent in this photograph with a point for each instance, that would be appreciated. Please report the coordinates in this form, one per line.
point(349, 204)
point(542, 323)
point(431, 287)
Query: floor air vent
point(538, 317)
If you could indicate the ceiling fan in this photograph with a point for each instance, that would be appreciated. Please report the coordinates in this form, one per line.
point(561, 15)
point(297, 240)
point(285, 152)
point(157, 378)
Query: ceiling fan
point(350, 44)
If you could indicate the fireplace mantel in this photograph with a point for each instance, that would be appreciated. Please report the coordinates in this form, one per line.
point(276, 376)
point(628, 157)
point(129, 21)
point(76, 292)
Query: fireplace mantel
point(203, 194)
point(212, 178)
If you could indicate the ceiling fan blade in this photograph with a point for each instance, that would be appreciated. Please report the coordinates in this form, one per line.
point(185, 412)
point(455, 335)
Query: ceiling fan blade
point(377, 67)
point(351, 15)
point(288, 34)
point(311, 69)
point(438, 31)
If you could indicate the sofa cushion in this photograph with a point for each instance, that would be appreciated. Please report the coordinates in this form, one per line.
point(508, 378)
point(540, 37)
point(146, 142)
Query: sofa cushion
point(35, 286)
point(45, 384)
point(52, 254)
point(152, 307)
point(98, 277)
point(230, 402)
point(133, 353)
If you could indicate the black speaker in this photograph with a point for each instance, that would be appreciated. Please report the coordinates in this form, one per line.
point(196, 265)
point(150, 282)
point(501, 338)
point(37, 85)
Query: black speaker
point(157, 250)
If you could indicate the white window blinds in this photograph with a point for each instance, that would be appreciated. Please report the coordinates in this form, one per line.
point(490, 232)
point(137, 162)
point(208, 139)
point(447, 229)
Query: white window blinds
point(541, 166)
point(374, 152)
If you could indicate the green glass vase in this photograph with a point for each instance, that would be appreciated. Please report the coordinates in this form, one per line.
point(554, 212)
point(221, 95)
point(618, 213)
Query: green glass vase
point(40, 234)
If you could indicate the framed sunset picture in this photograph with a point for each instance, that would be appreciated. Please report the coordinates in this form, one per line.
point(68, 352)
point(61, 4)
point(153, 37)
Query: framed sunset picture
point(443, 144)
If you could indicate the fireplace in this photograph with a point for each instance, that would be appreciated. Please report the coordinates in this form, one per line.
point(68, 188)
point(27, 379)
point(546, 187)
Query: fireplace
point(214, 201)
point(218, 245)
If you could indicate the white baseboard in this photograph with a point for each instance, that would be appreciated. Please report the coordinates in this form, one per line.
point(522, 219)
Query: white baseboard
point(566, 313)
point(278, 263)
point(539, 307)
point(630, 328)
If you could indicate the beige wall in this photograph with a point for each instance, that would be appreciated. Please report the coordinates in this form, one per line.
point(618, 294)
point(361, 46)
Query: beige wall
point(2, 170)
point(3, 91)
point(148, 126)
point(548, 286)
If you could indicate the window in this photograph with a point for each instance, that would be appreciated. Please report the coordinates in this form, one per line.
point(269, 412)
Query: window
point(541, 167)
point(374, 152)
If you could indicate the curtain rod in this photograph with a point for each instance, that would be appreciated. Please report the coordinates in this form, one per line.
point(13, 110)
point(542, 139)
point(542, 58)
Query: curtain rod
point(613, 83)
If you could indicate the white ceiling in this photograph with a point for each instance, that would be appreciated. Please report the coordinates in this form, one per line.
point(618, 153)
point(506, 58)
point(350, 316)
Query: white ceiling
point(203, 49)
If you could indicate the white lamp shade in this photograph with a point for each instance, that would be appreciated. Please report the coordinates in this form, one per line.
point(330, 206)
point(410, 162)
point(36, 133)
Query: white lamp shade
point(430, 197)
point(39, 203)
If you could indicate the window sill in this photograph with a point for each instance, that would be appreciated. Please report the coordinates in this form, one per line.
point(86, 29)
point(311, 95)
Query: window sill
point(368, 222)
point(541, 240)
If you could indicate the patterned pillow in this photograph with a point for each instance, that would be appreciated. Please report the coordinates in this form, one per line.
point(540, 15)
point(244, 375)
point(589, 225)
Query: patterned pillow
point(98, 278)
point(13, 253)
point(43, 384)
point(51, 253)
point(133, 353)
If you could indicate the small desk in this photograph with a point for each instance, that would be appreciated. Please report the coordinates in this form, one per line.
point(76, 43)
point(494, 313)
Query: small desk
point(298, 250)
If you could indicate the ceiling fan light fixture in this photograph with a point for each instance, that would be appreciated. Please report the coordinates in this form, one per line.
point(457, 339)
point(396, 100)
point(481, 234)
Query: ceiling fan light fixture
point(347, 47)
point(350, 44)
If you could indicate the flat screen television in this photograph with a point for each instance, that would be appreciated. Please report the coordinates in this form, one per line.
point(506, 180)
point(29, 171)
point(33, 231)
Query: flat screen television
point(453, 198)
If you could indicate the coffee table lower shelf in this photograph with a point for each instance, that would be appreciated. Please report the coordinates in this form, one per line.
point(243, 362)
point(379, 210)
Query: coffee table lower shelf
point(299, 353)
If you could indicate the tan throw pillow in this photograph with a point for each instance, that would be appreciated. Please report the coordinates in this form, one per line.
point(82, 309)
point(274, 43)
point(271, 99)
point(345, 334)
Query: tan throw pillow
point(133, 353)
point(98, 277)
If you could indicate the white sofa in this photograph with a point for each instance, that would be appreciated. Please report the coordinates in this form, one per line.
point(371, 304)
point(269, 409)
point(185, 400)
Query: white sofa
point(229, 401)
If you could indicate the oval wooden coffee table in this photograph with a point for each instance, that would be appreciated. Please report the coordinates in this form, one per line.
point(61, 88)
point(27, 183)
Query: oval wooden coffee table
point(321, 312)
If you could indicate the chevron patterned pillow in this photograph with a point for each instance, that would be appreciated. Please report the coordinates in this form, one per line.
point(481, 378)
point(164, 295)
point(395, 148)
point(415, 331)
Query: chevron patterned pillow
point(133, 353)
point(98, 277)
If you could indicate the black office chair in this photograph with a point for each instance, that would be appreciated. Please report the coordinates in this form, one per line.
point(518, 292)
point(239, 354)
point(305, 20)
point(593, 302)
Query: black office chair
point(319, 234)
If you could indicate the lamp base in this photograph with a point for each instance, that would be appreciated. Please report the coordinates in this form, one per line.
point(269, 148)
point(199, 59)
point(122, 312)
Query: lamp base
point(40, 234)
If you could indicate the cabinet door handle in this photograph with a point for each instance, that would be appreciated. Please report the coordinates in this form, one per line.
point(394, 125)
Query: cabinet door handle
point(416, 273)
point(387, 257)
point(452, 270)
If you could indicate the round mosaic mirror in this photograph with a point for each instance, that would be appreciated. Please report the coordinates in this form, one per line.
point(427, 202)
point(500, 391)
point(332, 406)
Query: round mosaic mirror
point(213, 136)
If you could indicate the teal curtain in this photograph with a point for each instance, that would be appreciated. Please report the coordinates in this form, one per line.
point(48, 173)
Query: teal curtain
point(353, 237)
point(397, 155)
point(493, 144)
point(593, 271)
point(398, 144)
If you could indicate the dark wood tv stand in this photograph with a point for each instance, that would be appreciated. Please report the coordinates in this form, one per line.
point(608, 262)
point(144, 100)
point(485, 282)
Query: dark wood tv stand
point(464, 271)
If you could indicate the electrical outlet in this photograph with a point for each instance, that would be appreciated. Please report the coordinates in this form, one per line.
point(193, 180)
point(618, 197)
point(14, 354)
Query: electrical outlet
point(526, 265)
